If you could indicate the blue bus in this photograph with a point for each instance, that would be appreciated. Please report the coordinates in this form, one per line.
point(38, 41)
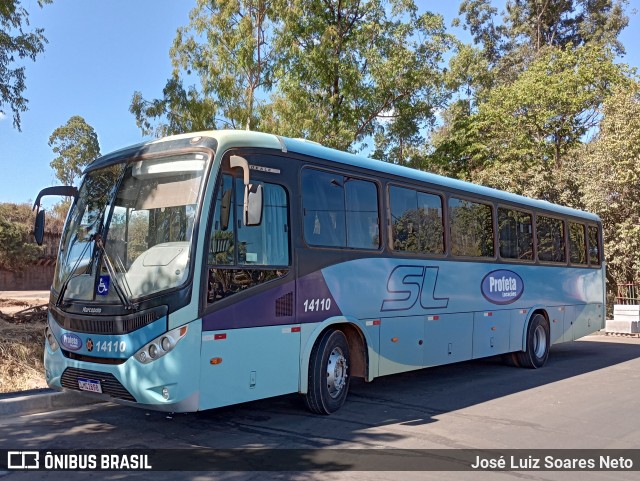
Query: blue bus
point(214, 268)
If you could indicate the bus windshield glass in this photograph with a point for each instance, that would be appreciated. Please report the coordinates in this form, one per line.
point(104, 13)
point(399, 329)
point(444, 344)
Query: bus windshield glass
point(130, 232)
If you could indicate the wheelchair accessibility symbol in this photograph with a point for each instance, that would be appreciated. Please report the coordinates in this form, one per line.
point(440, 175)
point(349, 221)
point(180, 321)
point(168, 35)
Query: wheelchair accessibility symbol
point(103, 286)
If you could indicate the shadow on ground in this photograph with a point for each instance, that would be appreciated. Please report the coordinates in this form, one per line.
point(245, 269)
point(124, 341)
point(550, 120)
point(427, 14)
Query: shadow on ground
point(411, 399)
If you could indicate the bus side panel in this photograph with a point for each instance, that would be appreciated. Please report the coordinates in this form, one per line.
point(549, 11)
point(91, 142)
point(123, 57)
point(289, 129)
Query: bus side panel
point(240, 365)
point(567, 314)
point(401, 344)
point(516, 329)
point(448, 338)
point(490, 333)
point(588, 319)
point(557, 324)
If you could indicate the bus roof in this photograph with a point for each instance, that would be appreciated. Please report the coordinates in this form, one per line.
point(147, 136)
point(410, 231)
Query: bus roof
point(241, 138)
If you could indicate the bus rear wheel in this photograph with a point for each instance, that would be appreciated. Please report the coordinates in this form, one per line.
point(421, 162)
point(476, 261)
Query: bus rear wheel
point(328, 373)
point(538, 340)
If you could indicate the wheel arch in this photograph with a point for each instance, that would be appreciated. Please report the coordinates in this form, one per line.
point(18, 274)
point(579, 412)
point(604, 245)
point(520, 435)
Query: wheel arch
point(358, 342)
point(534, 310)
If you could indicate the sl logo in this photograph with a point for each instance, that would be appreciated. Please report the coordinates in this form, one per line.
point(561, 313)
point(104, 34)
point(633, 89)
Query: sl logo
point(409, 284)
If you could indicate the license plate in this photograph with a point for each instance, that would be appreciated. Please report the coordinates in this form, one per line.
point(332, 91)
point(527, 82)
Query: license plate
point(89, 385)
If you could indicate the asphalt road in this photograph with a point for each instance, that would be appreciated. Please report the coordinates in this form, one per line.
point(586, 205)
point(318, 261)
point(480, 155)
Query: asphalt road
point(587, 396)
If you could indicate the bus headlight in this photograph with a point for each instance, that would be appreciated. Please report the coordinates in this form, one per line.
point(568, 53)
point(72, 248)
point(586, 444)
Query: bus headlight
point(51, 339)
point(160, 346)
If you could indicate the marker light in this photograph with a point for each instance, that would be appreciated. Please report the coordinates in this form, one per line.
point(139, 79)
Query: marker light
point(160, 346)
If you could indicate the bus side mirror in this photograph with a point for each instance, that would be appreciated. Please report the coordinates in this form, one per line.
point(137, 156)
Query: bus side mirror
point(65, 190)
point(252, 193)
point(38, 229)
point(253, 205)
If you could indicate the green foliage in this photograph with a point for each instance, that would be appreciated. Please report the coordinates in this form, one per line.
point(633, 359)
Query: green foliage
point(353, 69)
point(228, 46)
point(520, 136)
point(16, 42)
point(547, 110)
point(180, 110)
point(480, 19)
point(17, 249)
point(565, 23)
point(344, 71)
point(76, 145)
point(533, 40)
point(608, 171)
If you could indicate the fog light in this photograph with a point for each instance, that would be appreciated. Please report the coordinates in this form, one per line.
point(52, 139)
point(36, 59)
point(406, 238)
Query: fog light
point(153, 351)
point(53, 344)
point(165, 393)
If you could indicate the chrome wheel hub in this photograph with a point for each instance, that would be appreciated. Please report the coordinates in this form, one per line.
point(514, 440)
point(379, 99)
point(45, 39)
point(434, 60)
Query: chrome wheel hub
point(539, 342)
point(336, 372)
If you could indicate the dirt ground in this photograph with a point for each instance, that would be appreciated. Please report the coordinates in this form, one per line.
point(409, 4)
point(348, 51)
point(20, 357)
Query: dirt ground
point(23, 318)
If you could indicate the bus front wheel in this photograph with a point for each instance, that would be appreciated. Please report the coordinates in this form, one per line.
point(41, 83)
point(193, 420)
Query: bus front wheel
point(538, 340)
point(328, 373)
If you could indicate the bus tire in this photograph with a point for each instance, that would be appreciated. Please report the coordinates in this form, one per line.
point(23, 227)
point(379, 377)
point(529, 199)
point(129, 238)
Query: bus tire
point(537, 347)
point(328, 373)
point(511, 359)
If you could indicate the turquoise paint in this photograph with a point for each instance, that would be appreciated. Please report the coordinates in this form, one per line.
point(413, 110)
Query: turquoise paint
point(257, 363)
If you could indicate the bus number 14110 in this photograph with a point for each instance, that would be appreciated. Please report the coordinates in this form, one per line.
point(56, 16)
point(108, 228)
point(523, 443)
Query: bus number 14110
point(311, 305)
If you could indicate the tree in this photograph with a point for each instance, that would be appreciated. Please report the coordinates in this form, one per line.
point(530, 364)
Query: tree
point(343, 71)
point(178, 111)
point(522, 134)
point(530, 33)
point(550, 107)
point(608, 172)
point(16, 42)
point(353, 69)
point(76, 144)
point(565, 23)
point(228, 44)
point(481, 21)
point(16, 248)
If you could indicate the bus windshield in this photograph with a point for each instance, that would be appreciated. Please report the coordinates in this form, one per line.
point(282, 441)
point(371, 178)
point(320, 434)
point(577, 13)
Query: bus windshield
point(130, 232)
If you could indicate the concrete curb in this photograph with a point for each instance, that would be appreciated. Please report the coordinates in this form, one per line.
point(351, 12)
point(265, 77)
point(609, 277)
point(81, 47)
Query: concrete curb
point(41, 400)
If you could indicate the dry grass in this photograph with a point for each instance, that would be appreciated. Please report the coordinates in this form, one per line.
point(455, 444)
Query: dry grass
point(21, 346)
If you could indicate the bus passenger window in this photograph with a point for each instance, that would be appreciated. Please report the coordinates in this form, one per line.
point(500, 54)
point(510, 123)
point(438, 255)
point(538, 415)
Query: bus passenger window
point(323, 206)
point(550, 239)
point(471, 225)
point(577, 244)
point(515, 234)
point(417, 221)
point(363, 231)
point(594, 246)
point(339, 211)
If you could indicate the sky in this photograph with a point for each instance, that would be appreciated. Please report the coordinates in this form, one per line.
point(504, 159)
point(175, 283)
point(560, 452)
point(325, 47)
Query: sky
point(101, 52)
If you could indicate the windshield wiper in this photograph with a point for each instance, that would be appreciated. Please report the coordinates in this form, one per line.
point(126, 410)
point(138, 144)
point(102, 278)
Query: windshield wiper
point(124, 295)
point(72, 274)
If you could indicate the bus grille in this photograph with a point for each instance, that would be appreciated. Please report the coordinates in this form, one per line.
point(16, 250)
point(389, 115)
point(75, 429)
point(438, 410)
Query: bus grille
point(97, 360)
point(110, 385)
point(105, 324)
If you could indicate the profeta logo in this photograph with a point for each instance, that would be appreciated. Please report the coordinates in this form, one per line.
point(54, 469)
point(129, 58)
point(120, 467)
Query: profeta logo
point(502, 286)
